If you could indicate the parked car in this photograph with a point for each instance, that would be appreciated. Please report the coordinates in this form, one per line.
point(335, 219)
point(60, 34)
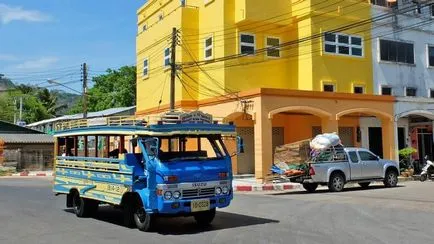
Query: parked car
point(346, 165)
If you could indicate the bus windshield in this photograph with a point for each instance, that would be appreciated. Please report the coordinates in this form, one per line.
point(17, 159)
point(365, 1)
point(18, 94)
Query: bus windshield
point(195, 148)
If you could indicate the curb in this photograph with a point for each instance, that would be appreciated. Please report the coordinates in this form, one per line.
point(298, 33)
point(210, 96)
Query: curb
point(250, 188)
point(24, 174)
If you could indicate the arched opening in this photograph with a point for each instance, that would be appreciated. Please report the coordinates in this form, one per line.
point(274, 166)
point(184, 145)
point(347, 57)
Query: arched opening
point(415, 129)
point(368, 128)
point(293, 124)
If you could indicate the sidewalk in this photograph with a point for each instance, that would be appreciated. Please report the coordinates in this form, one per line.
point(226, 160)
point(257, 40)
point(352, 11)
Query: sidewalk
point(35, 173)
point(249, 184)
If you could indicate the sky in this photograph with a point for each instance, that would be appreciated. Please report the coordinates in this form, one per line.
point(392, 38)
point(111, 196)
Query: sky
point(50, 39)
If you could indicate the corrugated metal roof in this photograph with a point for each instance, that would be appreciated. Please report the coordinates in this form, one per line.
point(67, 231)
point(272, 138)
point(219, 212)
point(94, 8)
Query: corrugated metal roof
point(27, 138)
point(103, 113)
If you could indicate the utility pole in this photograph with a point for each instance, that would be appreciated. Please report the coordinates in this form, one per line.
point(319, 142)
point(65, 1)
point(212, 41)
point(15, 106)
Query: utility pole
point(15, 111)
point(21, 109)
point(173, 69)
point(84, 96)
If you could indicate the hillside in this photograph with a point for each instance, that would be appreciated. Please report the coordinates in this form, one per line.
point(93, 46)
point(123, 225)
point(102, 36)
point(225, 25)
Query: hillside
point(5, 83)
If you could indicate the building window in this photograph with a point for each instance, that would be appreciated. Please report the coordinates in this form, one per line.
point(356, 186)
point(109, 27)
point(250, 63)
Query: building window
point(273, 47)
point(359, 89)
point(144, 28)
point(410, 92)
point(342, 44)
point(386, 90)
point(160, 17)
point(328, 87)
point(247, 44)
point(145, 68)
point(431, 93)
point(167, 57)
point(432, 10)
point(385, 3)
point(394, 51)
point(208, 48)
point(431, 56)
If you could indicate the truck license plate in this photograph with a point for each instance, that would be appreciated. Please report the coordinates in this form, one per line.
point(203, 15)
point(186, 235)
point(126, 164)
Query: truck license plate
point(200, 205)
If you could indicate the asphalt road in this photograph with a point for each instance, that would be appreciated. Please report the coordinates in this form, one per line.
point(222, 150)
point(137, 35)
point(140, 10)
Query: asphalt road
point(30, 213)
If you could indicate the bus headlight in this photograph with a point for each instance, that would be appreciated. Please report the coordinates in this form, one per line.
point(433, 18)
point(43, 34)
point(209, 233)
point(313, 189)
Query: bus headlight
point(176, 195)
point(218, 191)
point(225, 190)
point(167, 195)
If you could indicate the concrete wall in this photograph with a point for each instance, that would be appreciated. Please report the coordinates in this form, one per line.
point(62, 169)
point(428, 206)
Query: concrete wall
point(397, 75)
point(30, 156)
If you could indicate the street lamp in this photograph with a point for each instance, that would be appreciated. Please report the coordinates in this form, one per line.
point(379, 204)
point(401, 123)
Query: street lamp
point(83, 94)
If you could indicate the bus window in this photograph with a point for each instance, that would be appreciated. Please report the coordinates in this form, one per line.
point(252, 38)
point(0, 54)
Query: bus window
point(191, 148)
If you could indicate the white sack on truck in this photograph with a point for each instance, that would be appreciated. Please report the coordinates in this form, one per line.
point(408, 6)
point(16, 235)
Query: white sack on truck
point(324, 141)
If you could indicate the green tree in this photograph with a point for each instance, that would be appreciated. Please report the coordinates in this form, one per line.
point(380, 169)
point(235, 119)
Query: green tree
point(49, 100)
point(117, 88)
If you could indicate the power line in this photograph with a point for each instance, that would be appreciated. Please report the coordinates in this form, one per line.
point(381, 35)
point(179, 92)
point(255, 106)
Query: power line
point(255, 28)
point(265, 20)
point(304, 39)
point(420, 24)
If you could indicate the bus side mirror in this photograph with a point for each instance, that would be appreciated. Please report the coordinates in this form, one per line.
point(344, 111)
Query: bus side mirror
point(152, 146)
point(240, 145)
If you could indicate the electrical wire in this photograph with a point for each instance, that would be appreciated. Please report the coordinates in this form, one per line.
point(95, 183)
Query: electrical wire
point(302, 40)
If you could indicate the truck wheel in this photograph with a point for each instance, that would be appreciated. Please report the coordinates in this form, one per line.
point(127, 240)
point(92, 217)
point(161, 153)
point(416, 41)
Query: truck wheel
point(83, 207)
point(364, 185)
point(310, 187)
point(336, 182)
point(205, 218)
point(391, 179)
point(144, 221)
point(423, 177)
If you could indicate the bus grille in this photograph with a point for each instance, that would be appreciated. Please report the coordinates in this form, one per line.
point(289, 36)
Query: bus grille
point(204, 192)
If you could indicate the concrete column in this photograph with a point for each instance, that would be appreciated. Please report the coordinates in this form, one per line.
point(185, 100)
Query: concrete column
point(388, 131)
point(329, 125)
point(263, 145)
point(395, 126)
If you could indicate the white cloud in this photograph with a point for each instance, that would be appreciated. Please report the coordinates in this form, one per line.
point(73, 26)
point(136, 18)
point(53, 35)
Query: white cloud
point(40, 63)
point(12, 13)
point(7, 57)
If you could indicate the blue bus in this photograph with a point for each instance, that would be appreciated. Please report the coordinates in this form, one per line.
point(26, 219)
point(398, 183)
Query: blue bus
point(177, 166)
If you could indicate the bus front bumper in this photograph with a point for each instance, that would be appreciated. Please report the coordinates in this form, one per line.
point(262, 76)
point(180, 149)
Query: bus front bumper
point(184, 206)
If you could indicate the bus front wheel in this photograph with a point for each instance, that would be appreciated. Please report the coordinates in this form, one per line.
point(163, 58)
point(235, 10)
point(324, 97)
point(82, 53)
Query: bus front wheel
point(205, 218)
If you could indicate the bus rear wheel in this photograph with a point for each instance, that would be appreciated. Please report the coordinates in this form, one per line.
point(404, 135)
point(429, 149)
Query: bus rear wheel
point(205, 218)
point(84, 207)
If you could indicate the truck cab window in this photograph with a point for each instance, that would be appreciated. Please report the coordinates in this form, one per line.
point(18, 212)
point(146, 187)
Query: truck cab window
point(367, 156)
point(353, 157)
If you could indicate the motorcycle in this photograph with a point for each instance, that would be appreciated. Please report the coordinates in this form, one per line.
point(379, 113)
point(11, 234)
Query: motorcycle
point(427, 170)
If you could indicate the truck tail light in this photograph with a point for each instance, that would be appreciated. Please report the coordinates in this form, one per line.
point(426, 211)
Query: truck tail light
point(311, 170)
point(223, 175)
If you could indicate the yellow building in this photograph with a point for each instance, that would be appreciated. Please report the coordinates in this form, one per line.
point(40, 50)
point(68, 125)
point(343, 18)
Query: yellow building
point(282, 71)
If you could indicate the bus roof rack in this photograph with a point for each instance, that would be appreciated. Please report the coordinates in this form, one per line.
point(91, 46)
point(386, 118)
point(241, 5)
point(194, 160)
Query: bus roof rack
point(195, 117)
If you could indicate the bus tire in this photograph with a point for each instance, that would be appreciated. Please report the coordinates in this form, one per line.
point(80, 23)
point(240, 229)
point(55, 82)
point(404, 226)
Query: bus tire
point(78, 204)
point(83, 207)
point(144, 221)
point(205, 218)
point(135, 215)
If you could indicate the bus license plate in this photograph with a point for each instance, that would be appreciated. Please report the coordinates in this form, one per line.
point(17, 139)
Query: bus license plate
point(200, 205)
